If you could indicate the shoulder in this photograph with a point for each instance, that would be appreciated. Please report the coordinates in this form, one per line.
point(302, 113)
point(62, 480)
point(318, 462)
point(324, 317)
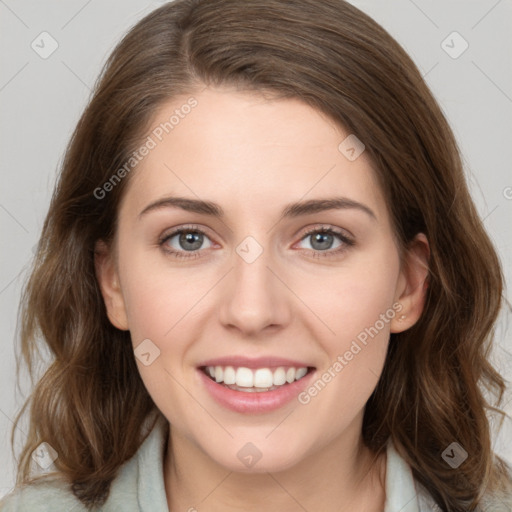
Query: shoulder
point(412, 495)
point(497, 502)
point(42, 496)
point(490, 502)
point(137, 486)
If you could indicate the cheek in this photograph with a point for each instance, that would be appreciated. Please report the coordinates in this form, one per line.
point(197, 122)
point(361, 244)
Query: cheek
point(161, 307)
point(158, 300)
point(356, 309)
point(352, 297)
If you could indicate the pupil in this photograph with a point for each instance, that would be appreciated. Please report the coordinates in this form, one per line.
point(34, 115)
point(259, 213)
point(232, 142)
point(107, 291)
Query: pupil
point(189, 238)
point(321, 239)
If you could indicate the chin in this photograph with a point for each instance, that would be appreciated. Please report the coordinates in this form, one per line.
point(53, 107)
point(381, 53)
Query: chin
point(258, 456)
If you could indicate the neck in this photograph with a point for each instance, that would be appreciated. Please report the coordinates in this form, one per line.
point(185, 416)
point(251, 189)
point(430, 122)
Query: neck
point(341, 476)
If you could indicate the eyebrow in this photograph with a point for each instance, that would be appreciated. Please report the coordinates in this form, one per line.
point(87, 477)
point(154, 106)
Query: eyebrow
point(291, 210)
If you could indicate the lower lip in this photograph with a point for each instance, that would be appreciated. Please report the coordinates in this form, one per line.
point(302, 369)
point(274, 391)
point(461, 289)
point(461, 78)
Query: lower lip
point(256, 402)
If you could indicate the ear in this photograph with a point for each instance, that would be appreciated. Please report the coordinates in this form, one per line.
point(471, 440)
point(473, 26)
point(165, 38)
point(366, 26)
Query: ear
point(412, 284)
point(108, 279)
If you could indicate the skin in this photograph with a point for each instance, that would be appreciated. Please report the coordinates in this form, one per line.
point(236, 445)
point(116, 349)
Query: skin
point(253, 156)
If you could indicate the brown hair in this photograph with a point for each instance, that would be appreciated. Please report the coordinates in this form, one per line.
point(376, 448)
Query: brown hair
point(90, 405)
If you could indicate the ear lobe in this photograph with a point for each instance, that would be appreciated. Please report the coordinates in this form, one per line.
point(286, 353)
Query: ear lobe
point(108, 280)
point(412, 284)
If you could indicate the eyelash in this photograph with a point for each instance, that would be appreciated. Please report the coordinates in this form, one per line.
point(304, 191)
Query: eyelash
point(347, 242)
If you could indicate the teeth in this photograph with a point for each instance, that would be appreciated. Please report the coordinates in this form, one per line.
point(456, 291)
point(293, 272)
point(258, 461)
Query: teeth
point(262, 378)
point(300, 373)
point(229, 375)
point(244, 377)
point(279, 377)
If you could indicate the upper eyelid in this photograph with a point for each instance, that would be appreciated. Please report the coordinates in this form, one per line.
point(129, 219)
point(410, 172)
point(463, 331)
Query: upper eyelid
point(327, 227)
point(176, 231)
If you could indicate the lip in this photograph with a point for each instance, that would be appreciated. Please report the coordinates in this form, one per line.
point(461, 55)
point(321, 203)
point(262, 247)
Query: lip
point(257, 402)
point(254, 363)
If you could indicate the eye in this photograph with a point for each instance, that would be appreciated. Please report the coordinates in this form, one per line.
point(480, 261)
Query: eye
point(187, 242)
point(187, 239)
point(323, 238)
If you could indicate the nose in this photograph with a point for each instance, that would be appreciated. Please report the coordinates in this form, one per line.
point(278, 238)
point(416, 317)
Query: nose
point(255, 298)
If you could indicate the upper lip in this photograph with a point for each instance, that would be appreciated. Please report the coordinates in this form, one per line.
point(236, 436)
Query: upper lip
point(256, 362)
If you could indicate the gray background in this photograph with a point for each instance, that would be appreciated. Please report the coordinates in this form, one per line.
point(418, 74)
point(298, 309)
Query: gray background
point(41, 100)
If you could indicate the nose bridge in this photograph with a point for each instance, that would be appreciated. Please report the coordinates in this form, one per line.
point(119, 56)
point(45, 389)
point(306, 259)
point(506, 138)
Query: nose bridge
point(256, 298)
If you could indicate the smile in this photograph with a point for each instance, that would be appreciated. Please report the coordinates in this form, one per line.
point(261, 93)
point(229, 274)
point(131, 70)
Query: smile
point(254, 386)
point(254, 380)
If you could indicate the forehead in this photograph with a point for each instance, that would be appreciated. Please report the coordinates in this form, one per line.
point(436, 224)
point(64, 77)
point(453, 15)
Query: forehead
point(241, 149)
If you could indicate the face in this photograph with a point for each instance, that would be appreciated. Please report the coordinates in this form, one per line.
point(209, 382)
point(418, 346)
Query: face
point(251, 291)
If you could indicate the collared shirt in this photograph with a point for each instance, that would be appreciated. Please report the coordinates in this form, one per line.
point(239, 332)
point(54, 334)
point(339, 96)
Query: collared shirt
point(139, 486)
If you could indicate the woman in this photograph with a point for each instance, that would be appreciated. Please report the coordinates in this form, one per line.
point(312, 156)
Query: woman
point(205, 358)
